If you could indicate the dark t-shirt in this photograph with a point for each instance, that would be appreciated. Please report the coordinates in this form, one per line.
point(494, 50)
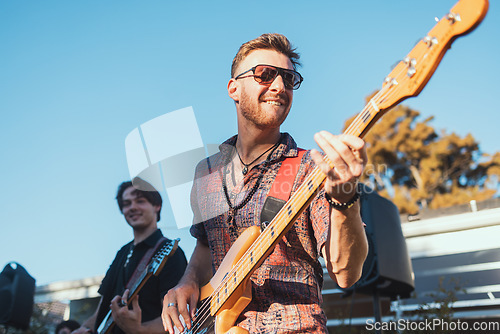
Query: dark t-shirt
point(151, 294)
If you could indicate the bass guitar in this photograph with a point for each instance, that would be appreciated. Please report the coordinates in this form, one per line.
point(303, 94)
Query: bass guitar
point(229, 291)
point(154, 268)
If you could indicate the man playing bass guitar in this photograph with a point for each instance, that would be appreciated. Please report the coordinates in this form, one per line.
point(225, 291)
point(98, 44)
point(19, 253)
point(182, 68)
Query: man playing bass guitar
point(230, 189)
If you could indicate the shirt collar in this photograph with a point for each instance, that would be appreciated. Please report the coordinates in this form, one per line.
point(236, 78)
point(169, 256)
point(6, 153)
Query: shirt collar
point(152, 239)
point(287, 147)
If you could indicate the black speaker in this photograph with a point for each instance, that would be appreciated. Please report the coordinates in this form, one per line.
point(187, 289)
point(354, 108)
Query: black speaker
point(387, 268)
point(17, 291)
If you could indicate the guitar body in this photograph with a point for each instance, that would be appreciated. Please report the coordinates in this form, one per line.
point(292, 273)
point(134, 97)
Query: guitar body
point(241, 297)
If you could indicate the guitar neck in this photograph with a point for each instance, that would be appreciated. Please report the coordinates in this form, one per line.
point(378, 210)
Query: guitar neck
point(108, 323)
point(407, 79)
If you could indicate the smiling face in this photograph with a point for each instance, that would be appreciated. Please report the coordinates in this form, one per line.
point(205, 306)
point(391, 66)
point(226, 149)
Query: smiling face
point(265, 106)
point(139, 213)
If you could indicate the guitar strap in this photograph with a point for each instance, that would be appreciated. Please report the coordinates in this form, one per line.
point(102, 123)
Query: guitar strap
point(281, 188)
point(144, 263)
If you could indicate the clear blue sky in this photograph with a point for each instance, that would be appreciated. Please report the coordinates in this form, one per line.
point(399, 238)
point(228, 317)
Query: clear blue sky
point(77, 76)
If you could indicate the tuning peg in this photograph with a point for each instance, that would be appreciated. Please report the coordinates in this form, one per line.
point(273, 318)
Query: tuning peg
point(453, 17)
point(430, 41)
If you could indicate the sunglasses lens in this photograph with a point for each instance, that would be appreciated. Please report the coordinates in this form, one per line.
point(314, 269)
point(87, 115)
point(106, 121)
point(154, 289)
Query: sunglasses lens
point(290, 79)
point(265, 74)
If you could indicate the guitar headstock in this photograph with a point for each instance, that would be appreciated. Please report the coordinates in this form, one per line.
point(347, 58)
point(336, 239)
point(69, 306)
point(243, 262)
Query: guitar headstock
point(162, 256)
point(412, 73)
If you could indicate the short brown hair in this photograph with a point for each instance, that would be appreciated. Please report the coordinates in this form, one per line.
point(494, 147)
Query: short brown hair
point(272, 41)
point(142, 189)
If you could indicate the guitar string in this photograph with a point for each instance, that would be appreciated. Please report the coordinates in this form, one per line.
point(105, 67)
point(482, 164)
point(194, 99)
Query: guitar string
point(383, 93)
point(202, 314)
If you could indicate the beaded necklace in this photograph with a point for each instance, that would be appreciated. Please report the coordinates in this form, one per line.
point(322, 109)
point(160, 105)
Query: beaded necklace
point(234, 208)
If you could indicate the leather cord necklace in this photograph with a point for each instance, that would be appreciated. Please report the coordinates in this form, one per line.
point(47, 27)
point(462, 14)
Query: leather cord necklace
point(234, 208)
point(244, 171)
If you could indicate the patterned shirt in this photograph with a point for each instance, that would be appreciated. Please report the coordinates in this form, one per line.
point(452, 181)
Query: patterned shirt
point(286, 294)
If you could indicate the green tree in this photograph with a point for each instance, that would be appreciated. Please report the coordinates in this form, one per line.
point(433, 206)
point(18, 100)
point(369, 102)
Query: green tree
point(416, 167)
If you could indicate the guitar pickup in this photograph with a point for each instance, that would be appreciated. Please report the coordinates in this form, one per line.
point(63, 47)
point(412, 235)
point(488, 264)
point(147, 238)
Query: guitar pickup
point(271, 207)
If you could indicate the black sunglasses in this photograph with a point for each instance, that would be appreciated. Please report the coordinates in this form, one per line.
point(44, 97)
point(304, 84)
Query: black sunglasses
point(265, 74)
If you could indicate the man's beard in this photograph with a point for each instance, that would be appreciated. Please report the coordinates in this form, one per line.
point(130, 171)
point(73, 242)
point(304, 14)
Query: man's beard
point(252, 110)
